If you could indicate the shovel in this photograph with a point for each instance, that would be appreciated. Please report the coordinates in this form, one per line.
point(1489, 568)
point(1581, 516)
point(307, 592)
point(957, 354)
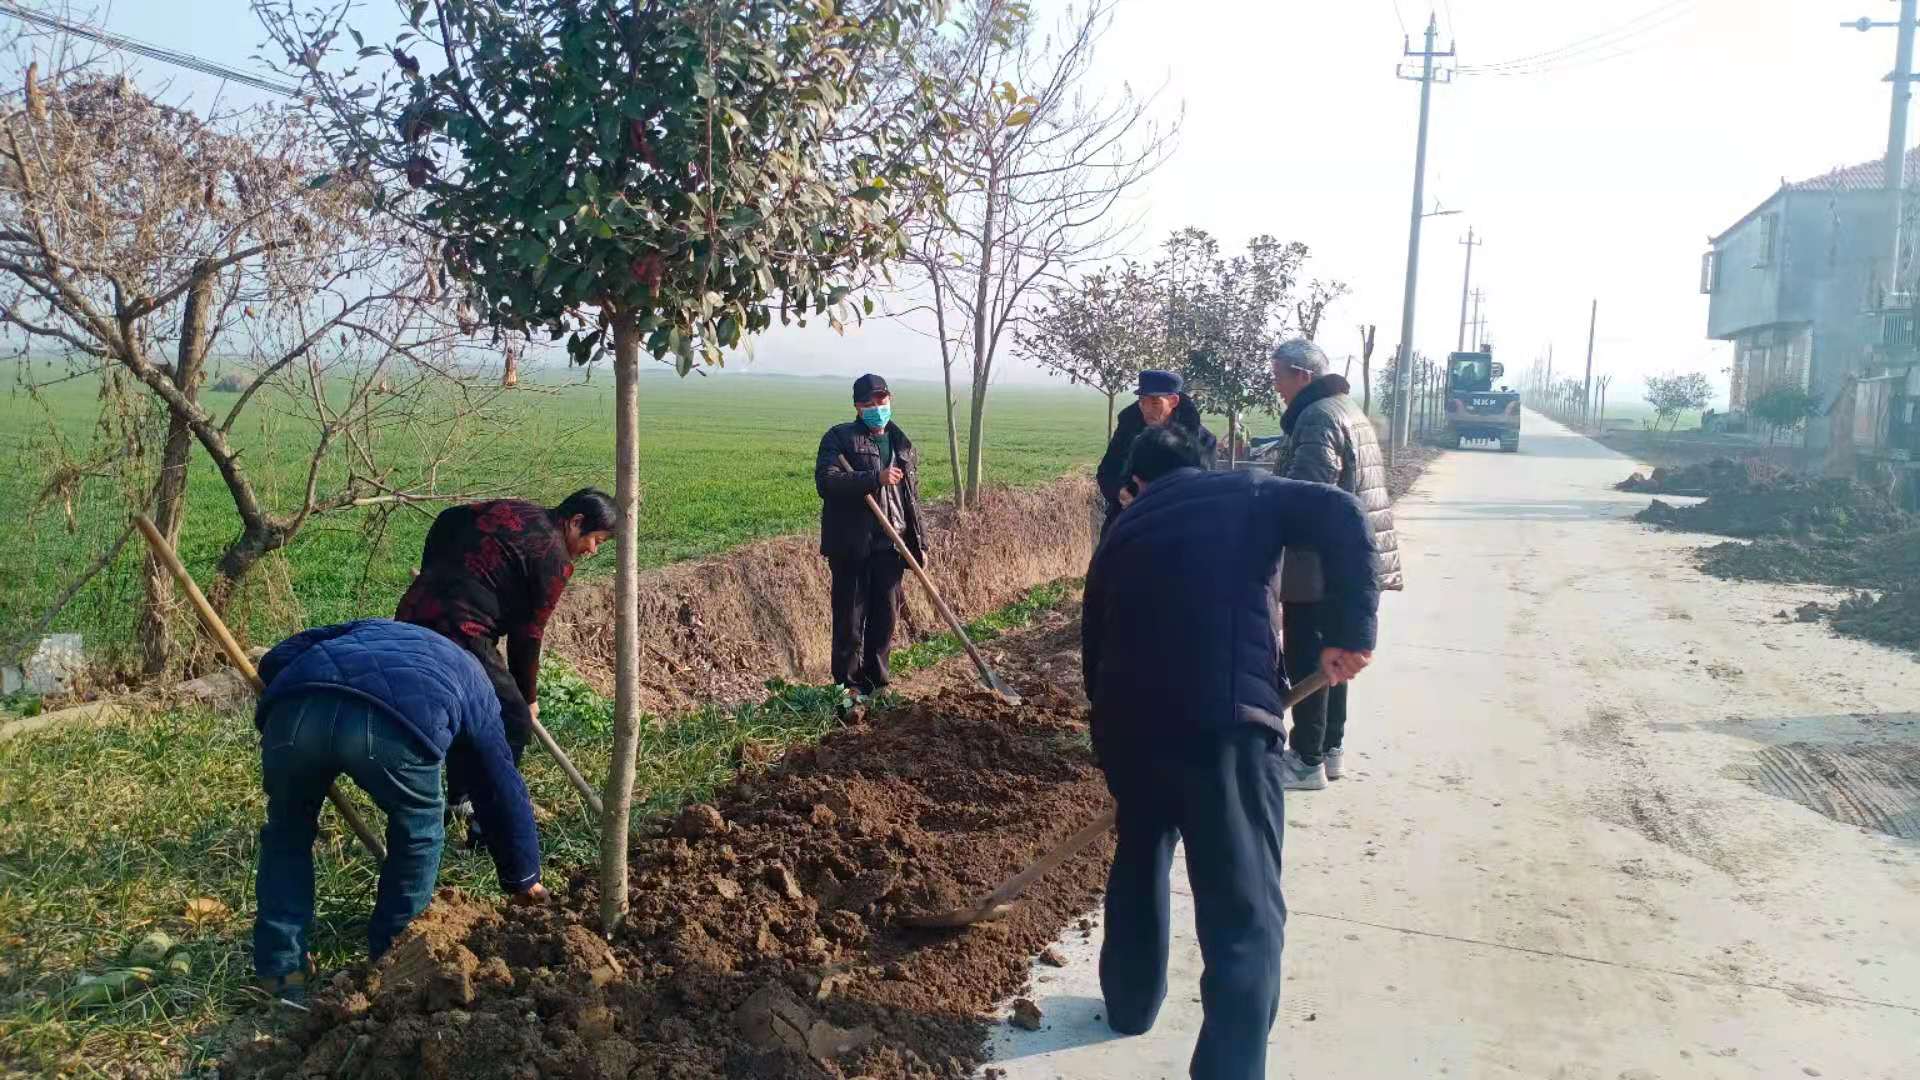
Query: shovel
point(987, 676)
point(996, 904)
point(238, 658)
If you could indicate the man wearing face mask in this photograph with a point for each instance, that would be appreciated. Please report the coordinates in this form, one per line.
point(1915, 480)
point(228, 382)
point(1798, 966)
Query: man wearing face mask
point(868, 456)
point(1163, 403)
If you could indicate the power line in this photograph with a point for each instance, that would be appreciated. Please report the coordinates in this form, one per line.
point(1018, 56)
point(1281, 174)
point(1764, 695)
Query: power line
point(155, 52)
point(1605, 45)
point(1399, 18)
point(1447, 6)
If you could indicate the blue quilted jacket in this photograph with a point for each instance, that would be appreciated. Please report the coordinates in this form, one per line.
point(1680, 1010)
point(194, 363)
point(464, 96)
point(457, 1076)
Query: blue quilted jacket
point(439, 693)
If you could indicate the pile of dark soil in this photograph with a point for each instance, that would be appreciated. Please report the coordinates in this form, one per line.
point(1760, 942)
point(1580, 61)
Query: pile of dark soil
point(1881, 562)
point(1893, 618)
point(1795, 507)
point(1705, 478)
point(760, 942)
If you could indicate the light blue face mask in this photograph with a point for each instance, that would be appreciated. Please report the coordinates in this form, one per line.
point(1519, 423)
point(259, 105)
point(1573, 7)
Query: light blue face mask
point(876, 416)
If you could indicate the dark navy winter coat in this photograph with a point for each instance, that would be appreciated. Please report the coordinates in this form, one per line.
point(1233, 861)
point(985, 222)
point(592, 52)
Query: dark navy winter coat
point(439, 693)
point(1178, 633)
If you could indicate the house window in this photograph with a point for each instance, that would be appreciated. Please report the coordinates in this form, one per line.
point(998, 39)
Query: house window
point(1769, 226)
point(1710, 273)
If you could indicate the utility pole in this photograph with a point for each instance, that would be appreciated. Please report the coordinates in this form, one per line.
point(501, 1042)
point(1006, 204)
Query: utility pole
point(1894, 168)
point(1403, 377)
point(1586, 396)
point(1466, 281)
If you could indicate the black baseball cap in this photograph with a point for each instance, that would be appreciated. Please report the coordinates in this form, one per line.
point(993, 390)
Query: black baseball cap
point(866, 386)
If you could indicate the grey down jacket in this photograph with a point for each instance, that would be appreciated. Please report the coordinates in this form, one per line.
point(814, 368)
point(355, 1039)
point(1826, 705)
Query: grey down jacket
point(1331, 441)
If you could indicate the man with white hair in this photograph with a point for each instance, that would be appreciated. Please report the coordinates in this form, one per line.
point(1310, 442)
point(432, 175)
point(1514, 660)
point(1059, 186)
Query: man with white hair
point(1329, 440)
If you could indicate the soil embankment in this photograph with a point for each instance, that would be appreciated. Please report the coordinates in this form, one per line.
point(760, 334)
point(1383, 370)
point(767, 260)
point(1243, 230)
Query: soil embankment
point(717, 629)
point(761, 941)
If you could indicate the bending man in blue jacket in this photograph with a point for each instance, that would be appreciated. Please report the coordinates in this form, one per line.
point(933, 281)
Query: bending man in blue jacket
point(385, 703)
point(1180, 651)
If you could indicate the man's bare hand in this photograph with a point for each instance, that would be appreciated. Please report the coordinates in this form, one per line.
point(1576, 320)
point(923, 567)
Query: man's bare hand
point(892, 475)
point(1125, 498)
point(1341, 665)
point(531, 896)
point(533, 710)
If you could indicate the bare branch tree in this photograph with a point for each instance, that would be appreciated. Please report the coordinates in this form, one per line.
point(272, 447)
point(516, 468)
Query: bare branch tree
point(142, 240)
point(1035, 168)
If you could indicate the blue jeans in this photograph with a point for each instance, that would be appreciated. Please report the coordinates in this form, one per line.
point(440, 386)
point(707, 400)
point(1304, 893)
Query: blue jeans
point(308, 742)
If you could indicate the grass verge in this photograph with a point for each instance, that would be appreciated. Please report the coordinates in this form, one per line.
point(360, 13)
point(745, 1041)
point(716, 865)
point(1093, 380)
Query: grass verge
point(945, 646)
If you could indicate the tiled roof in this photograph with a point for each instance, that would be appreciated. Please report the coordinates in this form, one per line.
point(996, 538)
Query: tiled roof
point(1867, 176)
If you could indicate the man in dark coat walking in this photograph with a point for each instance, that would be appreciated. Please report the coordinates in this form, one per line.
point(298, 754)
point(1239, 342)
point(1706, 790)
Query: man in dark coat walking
point(385, 703)
point(1330, 440)
point(868, 456)
point(1163, 403)
point(1181, 663)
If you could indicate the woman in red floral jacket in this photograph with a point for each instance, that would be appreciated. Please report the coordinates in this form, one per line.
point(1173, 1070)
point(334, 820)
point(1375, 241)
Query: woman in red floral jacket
point(496, 569)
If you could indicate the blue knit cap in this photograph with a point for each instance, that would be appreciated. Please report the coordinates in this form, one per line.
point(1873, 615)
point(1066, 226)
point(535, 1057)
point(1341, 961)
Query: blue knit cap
point(1160, 382)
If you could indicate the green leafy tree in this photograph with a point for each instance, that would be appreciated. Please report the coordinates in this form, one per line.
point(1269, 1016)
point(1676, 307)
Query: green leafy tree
point(1101, 331)
point(1672, 394)
point(1227, 315)
point(667, 177)
point(1782, 408)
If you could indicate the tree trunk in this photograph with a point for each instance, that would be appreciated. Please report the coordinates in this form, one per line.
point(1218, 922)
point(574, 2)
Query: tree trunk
point(1110, 400)
point(1233, 438)
point(982, 357)
point(242, 554)
point(946, 379)
point(170, 490)
point(618, 798)
point(1366, 386)
point(510, 375)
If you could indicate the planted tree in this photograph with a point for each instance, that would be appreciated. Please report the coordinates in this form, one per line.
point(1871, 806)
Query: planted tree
point(1782, 408)
point(667, 177)
point(1366, 369)
point(140, 239)
point(1101, 331)
point(1034, 164)
point(1231, 319)
point(1671, 395)
point(1312, 307)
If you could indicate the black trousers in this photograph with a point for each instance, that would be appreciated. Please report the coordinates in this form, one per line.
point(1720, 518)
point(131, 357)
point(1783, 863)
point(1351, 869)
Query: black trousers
point(1320, 722)
point(1221, 793)
point(866, 606)
point(515, 717)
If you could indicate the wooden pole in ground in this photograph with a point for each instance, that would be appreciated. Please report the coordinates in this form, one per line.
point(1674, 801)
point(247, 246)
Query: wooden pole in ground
point(217, 629)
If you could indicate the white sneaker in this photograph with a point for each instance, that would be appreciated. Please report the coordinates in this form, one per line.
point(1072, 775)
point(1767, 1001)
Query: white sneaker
point(1335, 763)
point(1297, 775)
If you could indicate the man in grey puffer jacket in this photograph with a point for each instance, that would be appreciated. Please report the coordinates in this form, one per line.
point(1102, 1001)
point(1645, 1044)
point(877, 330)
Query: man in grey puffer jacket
point(1329, 441)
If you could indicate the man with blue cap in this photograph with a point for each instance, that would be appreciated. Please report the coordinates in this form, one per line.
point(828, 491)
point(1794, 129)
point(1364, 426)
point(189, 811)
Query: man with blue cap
point(1163, 404)
point(868, 456)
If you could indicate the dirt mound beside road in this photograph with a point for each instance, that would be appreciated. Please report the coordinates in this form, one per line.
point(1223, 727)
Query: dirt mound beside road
point(1878, 563)
point(1824, 508)
point(1706, 478)
point(1893, 618)
point(714, 630)
point(760, 943)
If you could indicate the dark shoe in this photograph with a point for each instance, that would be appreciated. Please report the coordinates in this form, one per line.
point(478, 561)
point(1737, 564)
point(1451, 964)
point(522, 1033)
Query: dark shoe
point(288, 989)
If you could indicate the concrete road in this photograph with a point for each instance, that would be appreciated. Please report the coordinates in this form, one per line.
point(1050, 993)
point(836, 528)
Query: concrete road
point(1565, 847)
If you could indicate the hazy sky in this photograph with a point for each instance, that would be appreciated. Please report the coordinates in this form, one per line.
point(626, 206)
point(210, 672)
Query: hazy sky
point(1596, 173)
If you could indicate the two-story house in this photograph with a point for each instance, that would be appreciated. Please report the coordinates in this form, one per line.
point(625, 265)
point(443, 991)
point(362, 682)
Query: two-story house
point(1798, 286)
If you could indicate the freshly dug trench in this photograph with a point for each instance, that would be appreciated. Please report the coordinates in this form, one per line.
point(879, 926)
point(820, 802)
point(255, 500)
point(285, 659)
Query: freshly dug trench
point(714, 630)
point(761, 940)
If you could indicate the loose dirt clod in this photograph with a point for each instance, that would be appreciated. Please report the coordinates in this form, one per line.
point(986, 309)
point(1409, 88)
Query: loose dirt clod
point(699, 820)
point(1026, 1015)
point(802, 974)
point(1051, 957)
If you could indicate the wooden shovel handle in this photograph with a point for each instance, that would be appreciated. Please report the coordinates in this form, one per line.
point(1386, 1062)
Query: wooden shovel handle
point(933, 592)
point(237, 656)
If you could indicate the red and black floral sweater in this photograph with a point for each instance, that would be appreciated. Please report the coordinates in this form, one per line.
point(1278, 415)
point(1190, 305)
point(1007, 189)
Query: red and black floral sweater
point(492, 570)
